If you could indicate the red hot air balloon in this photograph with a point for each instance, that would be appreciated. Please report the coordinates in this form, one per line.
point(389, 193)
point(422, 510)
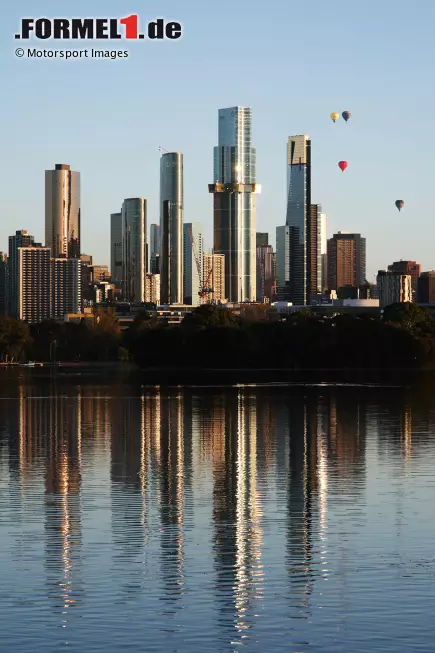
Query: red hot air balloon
point(342, 165)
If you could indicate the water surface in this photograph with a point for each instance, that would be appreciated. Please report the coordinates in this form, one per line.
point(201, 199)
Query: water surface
point(218, 520)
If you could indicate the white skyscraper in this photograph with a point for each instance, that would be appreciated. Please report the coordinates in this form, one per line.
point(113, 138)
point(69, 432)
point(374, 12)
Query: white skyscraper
point(193, 257)
point(62, 211)
point(234, 190)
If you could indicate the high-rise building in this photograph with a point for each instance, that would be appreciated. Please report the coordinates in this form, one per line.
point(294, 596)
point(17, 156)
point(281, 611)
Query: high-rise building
point(67, 287)
point(154, 239)
point(152, 288)
point(393, 288)
point(346, 261)
point(283, 262)
point(265, 279)
point(214, 278)
point(234, 191)
point(192, 266)
point(301, 278)
point(324, 250)
point(262, 239)
point(62, 211)
point(3, 283)
point(116, 248)
point(408, 267)
point(426, 287)
point(34, 284)
point(314, 251)
point(171, 228)
point(155, 264)
point(21, 239)
point(134, 224)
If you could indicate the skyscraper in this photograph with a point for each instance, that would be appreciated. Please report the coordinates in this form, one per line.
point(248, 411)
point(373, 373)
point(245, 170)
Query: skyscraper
point(300, 281)
point(314, 251)
point(3, 283)
point(234, 190)
point(408, 267)
point(116, 248)
point(34, 276)
point(67, 287)
point(265, 280)
point(262, 239)
point(62, 211)
point(21, 239)
point(214, 277)
point(324, 249)
point(346, 261)
point(154, 239)
point(134, 218)
point(283, 261)
point(171, 228)
point(192, 266)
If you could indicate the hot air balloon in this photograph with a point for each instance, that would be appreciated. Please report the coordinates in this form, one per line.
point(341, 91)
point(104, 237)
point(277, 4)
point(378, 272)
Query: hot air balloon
point(346, 115)
point(342, 165)
point(399, 204)
point(334, 116)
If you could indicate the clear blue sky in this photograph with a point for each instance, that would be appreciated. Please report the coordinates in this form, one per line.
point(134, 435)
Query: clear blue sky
point(292, 62)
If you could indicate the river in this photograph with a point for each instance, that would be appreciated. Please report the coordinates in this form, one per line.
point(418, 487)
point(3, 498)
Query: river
point(189, 520)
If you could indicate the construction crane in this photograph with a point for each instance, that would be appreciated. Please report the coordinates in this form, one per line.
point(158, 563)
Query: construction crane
point(205, 288)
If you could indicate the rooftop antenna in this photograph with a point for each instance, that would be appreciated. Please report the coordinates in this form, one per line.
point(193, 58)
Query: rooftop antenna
point(162, 149)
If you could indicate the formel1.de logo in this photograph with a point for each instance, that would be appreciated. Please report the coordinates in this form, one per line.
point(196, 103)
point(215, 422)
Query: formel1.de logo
point(97, 28)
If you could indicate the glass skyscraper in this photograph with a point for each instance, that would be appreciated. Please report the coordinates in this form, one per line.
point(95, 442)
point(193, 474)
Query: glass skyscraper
point(298, 218)
point(171, 228)
point(62, 211)
point(234, 190)
point(134, 225)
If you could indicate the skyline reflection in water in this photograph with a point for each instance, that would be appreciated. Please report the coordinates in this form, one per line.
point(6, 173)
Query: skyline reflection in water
point(188, 520)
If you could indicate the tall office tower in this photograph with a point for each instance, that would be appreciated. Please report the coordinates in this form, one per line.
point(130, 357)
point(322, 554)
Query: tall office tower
point(393, 287)
point(324, 250)
point(265, 281)
point(62, 211)
point(192, 267)
point(408, 267)
point(3, 283)
point(262, 239)
point(346, 261)
point(155, 264)
point(116, 248)
point(283, 262)
point(426, 287)
point(67, 287)
point(21, 239)
point(301, 278)
point(314, 251)
point(152, 288)
point(214, 276)
point(154, 239)
point(171, 228)
point(35, 286)
point(134, 225)
point(234, 191)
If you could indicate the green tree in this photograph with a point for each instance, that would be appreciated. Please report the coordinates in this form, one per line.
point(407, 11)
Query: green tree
point(415, 319)
point(14, 339)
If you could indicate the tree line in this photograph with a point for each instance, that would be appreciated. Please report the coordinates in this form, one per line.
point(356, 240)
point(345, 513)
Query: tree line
point(214, 337)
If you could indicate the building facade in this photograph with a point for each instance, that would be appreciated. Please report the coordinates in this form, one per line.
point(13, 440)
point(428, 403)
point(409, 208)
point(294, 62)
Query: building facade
point(324, 250)
point(192, 267)
point(3, 284)
point(261, 239)
point(154, 239)
point(134, 221)
point(34, 284)
point(408, 267)
point(234, 202)
point(62, 211)
point(66, 287)
point(152, 288)
point(283, 262)
point(265, 279)
point(214, 278)
point(298, 220)
point(21, 239)
point(346, 255)
point(171, 228)
point(116, 248)
point(393, 288)
point(426, 287)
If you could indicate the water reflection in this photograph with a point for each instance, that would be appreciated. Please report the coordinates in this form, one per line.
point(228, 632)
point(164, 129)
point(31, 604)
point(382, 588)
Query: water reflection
point(221, 516)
